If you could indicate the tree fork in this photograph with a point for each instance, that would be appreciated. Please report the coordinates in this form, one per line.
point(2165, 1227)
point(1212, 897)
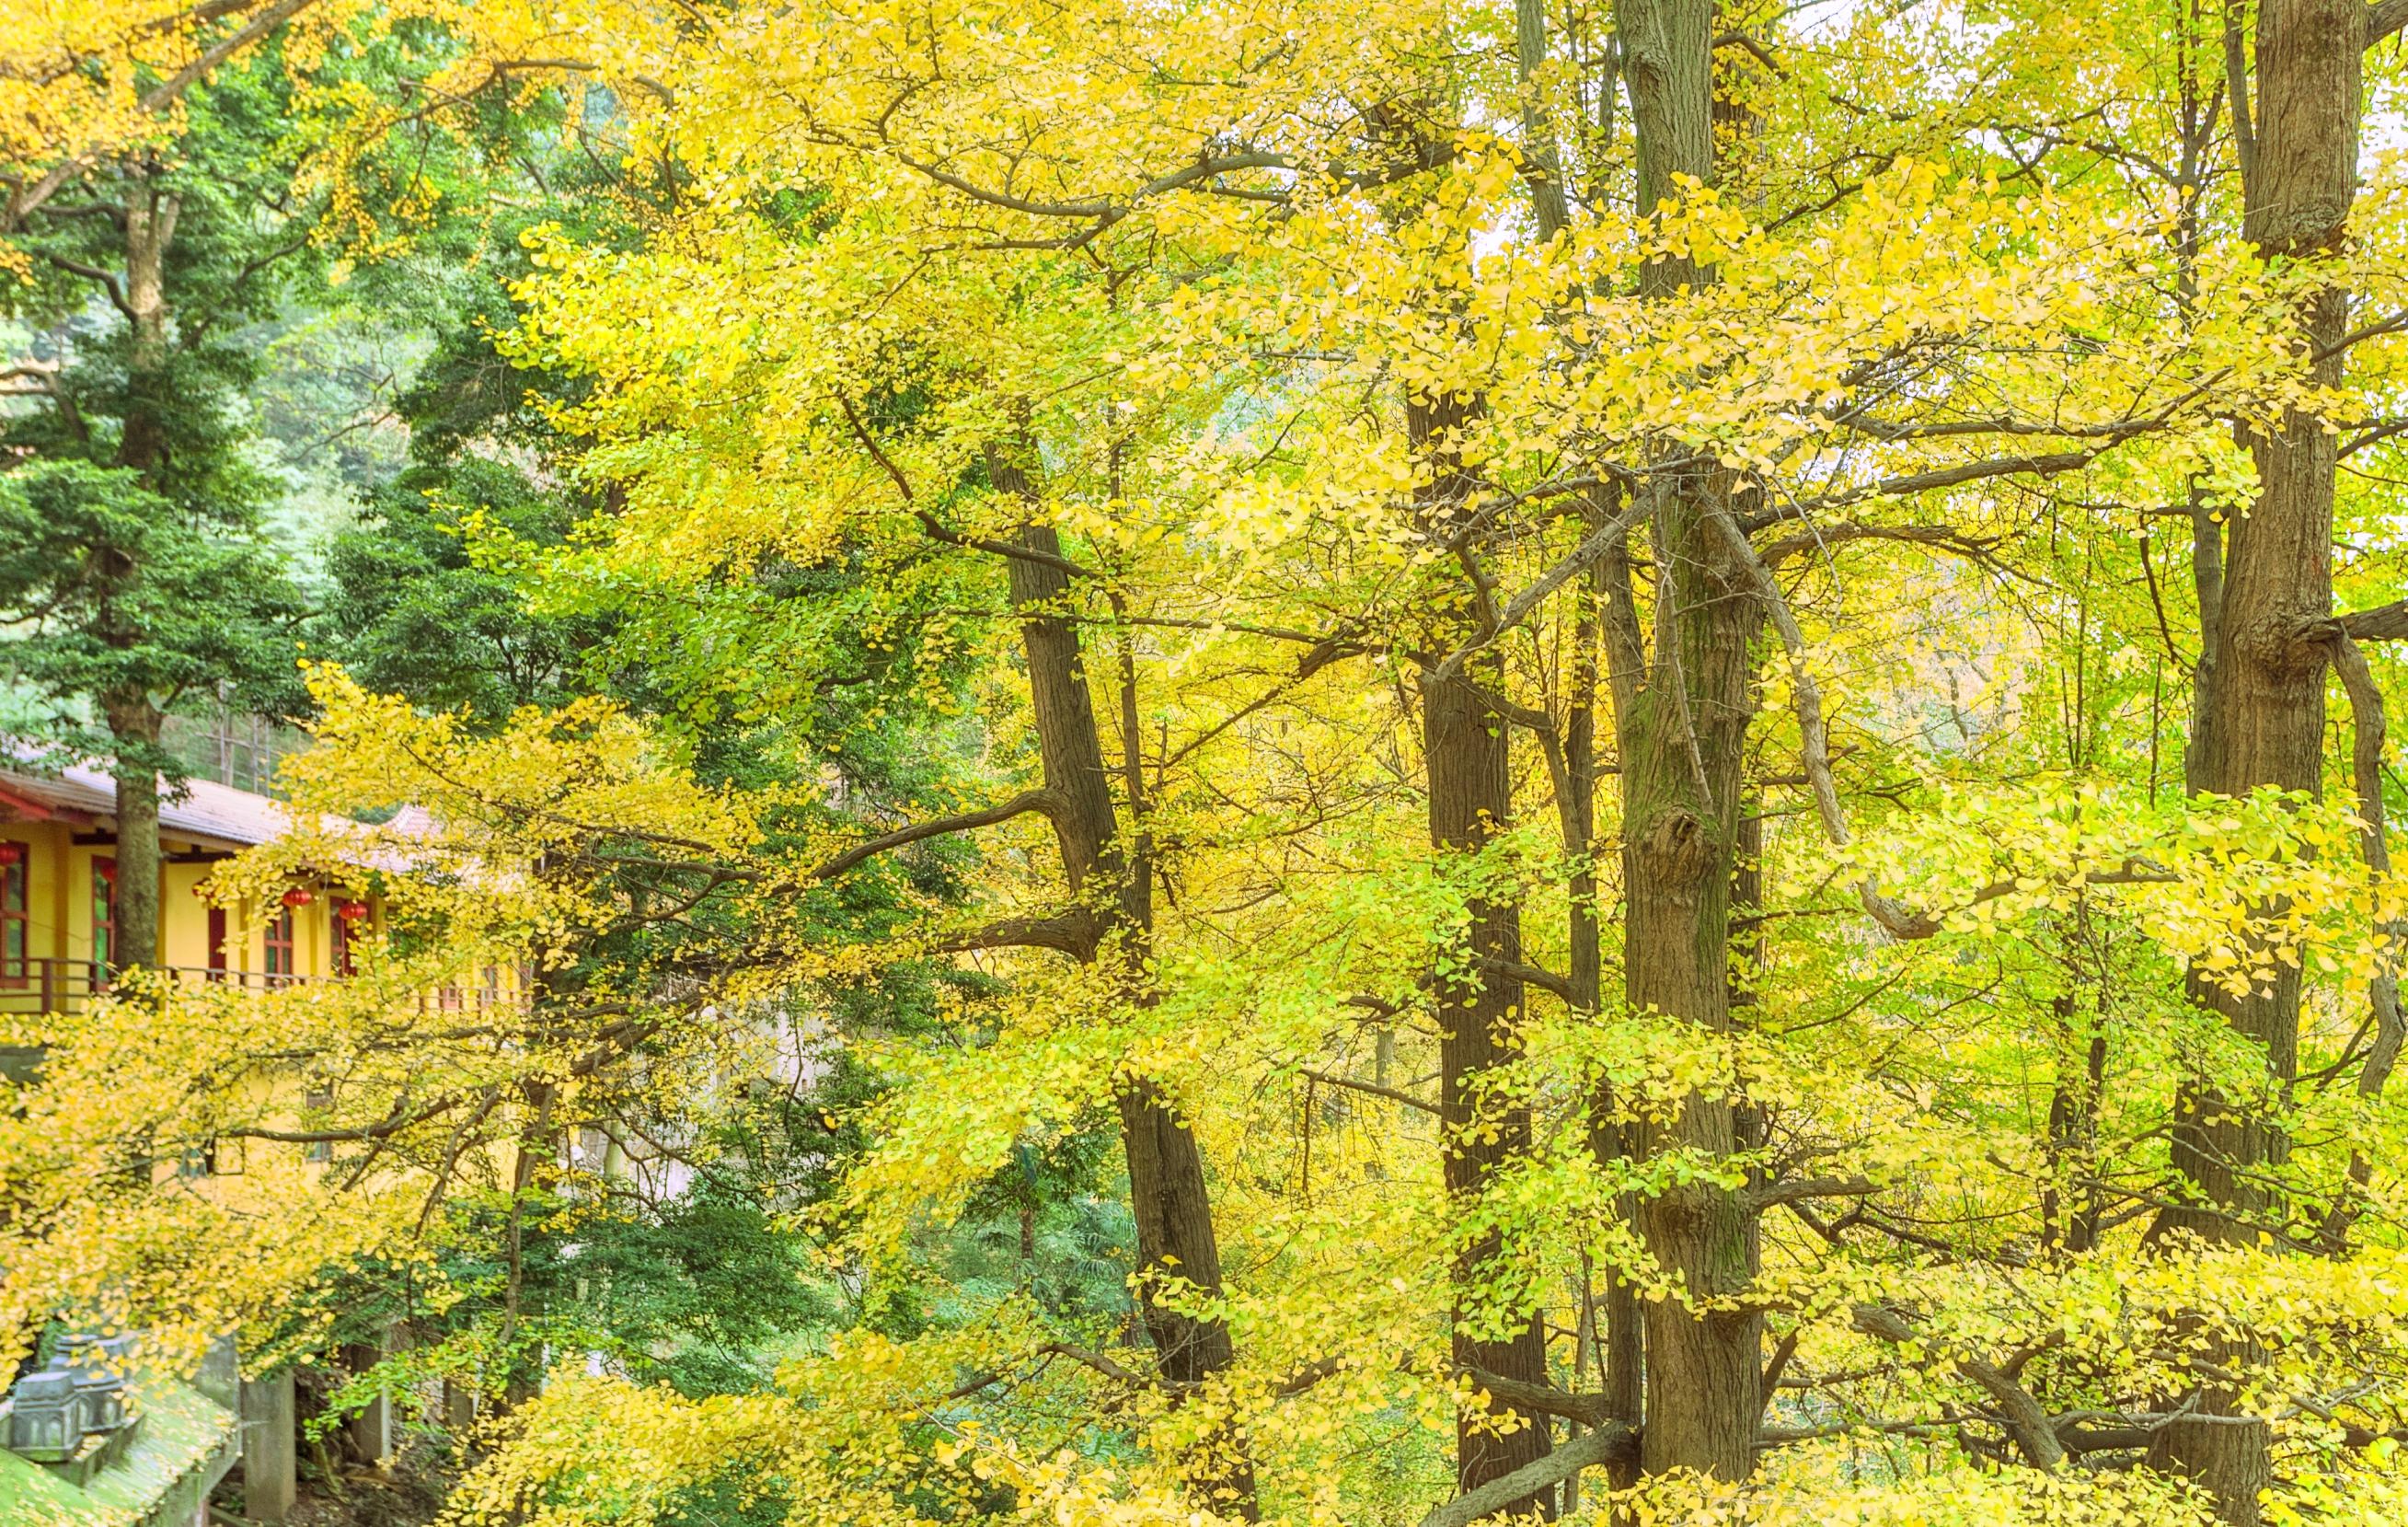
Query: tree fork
point(1169, 1194)
point(1682, 729)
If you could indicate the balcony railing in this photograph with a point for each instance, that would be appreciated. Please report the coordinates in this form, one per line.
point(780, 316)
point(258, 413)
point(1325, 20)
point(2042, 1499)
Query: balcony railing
point(33, 985)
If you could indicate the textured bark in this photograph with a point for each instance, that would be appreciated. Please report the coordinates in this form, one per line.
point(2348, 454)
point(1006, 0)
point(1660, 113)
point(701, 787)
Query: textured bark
point(1466, 752)
point(1681, 785)
point(1621, 1324)
point(150, 228)
point(1667, 62)
point(1682, 726)
point(2260, 720)
point(1168, 1193)
point(133, 720)
point(1625, 1326)
point(133, 732)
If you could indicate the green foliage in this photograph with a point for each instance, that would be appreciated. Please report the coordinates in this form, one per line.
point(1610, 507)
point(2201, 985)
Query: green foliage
point(412, 613)
point(116, 589)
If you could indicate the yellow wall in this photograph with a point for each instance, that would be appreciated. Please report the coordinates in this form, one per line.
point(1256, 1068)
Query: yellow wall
point(58, 925)
point(183, 917)
point(58, 910)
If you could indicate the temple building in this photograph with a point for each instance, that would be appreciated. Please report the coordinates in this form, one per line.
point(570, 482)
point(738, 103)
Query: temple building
point(58, 893)
point(77, 1445)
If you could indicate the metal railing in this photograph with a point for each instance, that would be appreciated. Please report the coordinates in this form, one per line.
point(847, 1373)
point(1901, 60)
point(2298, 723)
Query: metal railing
point(45, 985)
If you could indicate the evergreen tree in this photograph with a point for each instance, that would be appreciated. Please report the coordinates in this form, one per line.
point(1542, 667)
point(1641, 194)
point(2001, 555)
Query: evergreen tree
point(135, 576)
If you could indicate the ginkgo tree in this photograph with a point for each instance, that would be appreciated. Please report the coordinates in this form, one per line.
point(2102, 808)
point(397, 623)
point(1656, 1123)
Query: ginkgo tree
point(1549, 685)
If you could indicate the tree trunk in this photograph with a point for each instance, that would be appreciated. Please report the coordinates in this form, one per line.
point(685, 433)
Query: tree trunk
point(1682, 728)
point(1167, 1194)
point(150, 228)
point(1467, 754)
point(2261, 719)
point(1682, 787)
point(1621, 1336)
point(134, 734)
point(1469, 801)
point(133, 721)
point(1620, 1340)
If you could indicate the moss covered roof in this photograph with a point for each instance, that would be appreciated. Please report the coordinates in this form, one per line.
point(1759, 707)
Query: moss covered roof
point(180, 1427)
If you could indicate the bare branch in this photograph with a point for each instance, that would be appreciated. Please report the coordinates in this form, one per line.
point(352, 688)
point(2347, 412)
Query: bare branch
point(1944, 537)
point(1589, 1409)
point(1074, 933)
point(2384, 623)
point(2024, 1421)
point(1797, 1190)
point(1546, 980)
point(1047, 801)
point(1807, 696)
point(1602, 1446)
point(1371, 1089)
point(1100, 1364)
point(1595, 545)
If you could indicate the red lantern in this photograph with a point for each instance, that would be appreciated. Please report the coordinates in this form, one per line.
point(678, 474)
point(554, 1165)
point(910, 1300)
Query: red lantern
point(299, 895)
point(108, 869)
point(12, 853)
point(351, 912)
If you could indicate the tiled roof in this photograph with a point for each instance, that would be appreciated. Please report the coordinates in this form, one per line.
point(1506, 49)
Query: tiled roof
point(213, 814)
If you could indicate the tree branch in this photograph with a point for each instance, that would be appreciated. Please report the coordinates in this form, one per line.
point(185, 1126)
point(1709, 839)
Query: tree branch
point(1099, 1362)
point(1595, 545)
point(1372, 1089)
point(1047, 801)
point(1072, 933)
point(1797, 1190)
point(157, 100)
point(2384, 623)
point(1940, 536)
point(1589, 1409)
point(2022, 1415)
point(107, 280)
point(1605, 1445)
point(1806, 696)
point(1514, 970)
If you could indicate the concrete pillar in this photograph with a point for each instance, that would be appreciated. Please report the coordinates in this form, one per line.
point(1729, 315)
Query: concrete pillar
point(459, 1407)
point(371, 1428)
point(269, 1481)
point(220, 1376)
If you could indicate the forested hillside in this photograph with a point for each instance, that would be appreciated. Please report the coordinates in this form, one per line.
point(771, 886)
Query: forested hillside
point(1244, 761)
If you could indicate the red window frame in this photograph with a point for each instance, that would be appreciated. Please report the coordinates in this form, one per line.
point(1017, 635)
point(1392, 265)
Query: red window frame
point(277, 939)
point(103, 914)
point(16, 932)
point(217, 942)
point(339, 940)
